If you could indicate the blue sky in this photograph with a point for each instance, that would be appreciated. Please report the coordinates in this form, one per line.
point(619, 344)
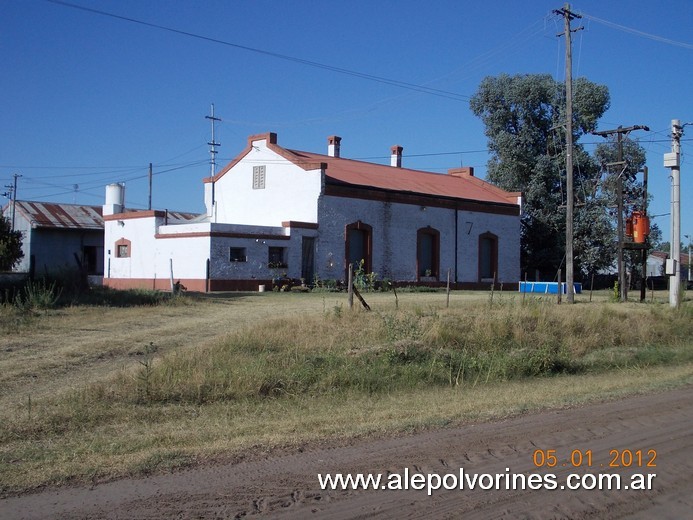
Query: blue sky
point(88, 99)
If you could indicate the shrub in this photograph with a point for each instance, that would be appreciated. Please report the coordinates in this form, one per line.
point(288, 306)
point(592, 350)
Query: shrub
point(38, 294)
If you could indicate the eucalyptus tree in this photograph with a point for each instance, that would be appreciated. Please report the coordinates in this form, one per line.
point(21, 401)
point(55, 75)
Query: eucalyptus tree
point(524, 118)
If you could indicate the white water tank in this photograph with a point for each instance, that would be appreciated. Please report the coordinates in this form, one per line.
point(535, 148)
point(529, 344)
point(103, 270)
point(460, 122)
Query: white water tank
point(115, 199)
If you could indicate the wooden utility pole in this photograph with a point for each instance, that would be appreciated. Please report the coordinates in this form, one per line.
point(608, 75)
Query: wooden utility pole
point(643, 253)
point(622, 285)
point(619, 132)
point(568, 16)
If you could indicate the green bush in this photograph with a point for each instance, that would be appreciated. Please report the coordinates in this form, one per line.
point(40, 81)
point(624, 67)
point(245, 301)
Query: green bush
point(38, 295)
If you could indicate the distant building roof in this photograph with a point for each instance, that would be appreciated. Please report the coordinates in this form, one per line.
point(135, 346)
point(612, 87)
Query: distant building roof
point(663, 255)
point(56, 215)
point(170, 216)
point(59, 216)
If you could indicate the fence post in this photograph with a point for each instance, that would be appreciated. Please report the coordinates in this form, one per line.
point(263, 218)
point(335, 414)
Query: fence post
point(560, 288)
point(350, 286)
point(447, 303)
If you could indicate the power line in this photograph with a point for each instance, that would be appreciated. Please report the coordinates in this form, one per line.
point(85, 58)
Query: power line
point(113, 174)
point(433, 154)
point(638, 33)
point(370, 77)
point(97, 184)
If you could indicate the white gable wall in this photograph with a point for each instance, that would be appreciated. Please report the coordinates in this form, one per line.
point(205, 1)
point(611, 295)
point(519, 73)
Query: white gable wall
point(290, 192)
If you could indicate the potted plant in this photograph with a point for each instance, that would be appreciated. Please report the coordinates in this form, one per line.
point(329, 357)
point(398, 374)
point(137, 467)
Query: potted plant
point(428, 276)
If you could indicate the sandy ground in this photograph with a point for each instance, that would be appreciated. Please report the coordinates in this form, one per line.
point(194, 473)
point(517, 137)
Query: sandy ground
point(286, 486)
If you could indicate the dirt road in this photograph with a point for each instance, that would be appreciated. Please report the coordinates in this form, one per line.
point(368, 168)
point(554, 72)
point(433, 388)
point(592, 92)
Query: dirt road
point(286, 486)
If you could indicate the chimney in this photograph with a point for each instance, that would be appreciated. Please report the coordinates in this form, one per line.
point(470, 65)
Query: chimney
point(464, 171)
point(333, 145)
point(396, 157)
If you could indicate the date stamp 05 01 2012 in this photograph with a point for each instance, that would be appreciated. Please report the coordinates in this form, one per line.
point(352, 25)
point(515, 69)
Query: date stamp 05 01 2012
point(585, 459)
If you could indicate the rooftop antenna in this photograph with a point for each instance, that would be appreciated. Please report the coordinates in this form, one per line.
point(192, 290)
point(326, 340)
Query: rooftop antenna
point(213, 144)
point(213, 153)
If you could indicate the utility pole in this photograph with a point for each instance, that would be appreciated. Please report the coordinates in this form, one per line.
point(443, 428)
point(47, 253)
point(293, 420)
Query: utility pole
point(673, 160)
point(149, 206)
point(688, 237)
point(643, 256)
point(619, 132)
point(213, 153)
point(13, 195)
point(568, 16)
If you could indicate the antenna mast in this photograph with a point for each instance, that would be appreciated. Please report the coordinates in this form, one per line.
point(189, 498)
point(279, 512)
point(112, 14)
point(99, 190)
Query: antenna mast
point(213, 144)
point(213, 153)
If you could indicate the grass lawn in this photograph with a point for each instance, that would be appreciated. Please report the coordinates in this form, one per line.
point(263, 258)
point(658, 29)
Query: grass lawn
point(93, 392)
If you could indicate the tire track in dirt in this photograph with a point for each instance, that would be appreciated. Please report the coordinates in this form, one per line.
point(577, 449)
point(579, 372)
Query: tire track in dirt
point(287, 486)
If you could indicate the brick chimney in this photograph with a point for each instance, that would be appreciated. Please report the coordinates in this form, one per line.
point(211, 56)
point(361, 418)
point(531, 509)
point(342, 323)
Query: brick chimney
point(464, 171)
point(396, 157)
point(333, 145)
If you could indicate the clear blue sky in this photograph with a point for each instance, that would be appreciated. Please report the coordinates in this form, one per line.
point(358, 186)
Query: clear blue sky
point(88, 99)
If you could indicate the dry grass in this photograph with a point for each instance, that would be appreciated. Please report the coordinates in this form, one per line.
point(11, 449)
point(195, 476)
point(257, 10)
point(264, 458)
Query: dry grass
point(71, 391)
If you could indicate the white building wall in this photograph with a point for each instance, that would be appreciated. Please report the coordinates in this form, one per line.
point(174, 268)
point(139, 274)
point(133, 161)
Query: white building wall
point(506, 227)
point(394, 241)
point(23, 225)
point(187, 256)
point(655, 266)
point(150, 257)
point(290, 192)
point(140, 263)
point(394, 238)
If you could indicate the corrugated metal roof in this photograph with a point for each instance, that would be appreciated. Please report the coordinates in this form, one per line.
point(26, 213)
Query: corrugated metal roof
point(183, 216)
point(57, 215)
point(60, 216)
point(368, 175)
point(385, 177)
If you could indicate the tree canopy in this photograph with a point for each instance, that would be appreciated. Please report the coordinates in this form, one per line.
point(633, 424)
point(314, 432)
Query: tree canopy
point(10, 245)
point(524, 116)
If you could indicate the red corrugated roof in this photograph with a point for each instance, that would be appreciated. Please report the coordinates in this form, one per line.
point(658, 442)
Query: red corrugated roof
point(359, 173)
point(62, 216)
point(368, 175)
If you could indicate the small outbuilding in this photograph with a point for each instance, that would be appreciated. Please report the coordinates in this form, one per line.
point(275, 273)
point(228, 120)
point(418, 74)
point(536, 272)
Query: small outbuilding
point(58, 236)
